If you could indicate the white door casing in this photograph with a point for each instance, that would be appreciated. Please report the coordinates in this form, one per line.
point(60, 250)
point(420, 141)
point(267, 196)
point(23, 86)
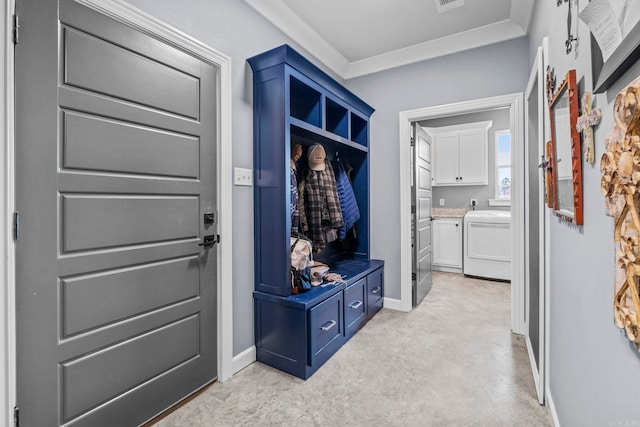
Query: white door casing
point(7, 248)
point(515, 104)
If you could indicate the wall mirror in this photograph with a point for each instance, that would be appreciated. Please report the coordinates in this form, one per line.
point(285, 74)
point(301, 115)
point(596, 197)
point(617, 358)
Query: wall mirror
point(567, 170)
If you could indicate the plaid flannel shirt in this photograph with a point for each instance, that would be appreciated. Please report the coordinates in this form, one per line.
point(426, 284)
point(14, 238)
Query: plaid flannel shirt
point(319, 207)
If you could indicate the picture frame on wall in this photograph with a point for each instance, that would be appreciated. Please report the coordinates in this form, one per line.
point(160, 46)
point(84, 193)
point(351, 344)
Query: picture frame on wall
point(615, 39)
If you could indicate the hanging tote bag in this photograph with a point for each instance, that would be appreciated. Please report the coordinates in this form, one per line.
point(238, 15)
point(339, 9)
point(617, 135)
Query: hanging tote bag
point(301, 260)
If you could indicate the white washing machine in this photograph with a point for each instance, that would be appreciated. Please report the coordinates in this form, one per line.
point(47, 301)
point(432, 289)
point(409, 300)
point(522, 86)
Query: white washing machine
point(487, 244)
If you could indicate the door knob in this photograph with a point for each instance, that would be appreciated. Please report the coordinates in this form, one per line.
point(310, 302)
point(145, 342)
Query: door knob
point(210, 240)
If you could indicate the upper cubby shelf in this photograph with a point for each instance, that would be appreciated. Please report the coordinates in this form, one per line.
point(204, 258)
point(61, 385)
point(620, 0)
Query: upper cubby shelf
point(306, 103)
point(328, 114)
point(337, 118)
point(359, 130)
point(317, 100)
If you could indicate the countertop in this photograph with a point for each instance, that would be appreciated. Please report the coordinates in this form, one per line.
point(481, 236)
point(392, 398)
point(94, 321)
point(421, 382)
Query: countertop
point(447, 213)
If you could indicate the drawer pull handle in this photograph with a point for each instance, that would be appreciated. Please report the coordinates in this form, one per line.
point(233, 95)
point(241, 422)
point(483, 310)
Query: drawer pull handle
point(330, 324)
point(355, 304)
point(375, 290)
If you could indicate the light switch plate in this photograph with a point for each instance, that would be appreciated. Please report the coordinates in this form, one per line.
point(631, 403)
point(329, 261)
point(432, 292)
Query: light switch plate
point(242, 176)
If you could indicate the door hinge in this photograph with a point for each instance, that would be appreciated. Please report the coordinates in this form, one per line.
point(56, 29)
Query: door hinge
point(412, 141)
point(414, 276)
point(16, 416)
point(16, 29)
point(16, 225)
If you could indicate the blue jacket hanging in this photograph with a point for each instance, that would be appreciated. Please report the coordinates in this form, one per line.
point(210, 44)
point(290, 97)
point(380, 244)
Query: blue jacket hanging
point(348, 204)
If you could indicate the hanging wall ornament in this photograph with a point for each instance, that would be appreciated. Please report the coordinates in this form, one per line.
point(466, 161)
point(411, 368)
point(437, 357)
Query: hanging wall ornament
point(550, 83)
point(589, 118)
point(620, 166)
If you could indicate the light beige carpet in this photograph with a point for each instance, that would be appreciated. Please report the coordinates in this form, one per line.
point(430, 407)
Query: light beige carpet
point(451, 362)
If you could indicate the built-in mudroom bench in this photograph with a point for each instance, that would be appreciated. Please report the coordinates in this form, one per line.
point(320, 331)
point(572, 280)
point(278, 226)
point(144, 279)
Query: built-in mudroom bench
point(296, 106)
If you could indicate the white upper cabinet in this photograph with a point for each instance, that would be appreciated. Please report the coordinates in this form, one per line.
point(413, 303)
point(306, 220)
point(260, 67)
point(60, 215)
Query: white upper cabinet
point(461, 154)
point(447, 159)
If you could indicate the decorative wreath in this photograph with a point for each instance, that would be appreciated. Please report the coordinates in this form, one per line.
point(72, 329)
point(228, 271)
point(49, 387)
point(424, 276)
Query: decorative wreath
point(620, 166)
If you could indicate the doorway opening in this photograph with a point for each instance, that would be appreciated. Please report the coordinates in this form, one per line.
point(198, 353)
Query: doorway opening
point(514, 104)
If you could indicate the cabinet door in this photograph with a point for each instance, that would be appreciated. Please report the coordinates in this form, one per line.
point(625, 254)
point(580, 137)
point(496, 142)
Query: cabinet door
point(446, 159)
point(375, 292)
point(326, 326)
point(447, 242)
point(355, 306)
point(473, 157)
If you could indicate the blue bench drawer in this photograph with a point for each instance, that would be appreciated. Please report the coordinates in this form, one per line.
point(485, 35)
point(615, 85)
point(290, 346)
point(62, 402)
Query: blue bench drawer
point(375, 291)
point(325, 329)
point(355, 306)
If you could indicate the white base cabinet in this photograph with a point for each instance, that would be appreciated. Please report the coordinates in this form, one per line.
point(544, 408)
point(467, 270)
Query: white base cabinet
point(447, 244)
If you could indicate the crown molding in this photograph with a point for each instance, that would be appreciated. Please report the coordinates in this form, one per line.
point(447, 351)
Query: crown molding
point(276, 12)
point(522, 13)
point(489, 34)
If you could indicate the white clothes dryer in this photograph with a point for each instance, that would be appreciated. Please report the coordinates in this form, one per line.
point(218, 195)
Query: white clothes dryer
point(487, 244)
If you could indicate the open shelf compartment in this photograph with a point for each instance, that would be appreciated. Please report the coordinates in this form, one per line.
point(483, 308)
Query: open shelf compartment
point(337, 118)
point(359, 130)
point(306, 103)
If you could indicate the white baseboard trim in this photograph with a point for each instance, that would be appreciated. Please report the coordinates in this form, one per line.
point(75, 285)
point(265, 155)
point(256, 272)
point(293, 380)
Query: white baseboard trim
point(552, 408)
point(244, 359)
point(394, 304)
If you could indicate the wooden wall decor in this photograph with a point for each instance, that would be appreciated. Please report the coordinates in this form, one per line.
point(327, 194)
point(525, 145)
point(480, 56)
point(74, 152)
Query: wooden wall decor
point(589, 118)
point(620, 166)
point(567, 154)
point(550, 83)
point(549, 179)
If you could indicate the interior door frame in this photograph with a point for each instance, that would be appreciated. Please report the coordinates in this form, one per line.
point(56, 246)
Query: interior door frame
point(537, 76)
point(547, 249)
point(515, 103)
point(7, 248)
point(147, 24)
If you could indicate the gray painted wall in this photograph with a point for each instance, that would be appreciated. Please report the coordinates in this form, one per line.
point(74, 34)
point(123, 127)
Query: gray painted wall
point(235, 29)
point(489, 71)
point(594, 371)
point(459, 197)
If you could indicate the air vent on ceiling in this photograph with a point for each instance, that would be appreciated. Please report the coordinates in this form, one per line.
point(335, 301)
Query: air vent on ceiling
point(446, 5)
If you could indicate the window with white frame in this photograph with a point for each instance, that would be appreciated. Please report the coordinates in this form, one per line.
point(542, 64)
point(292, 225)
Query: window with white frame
point(503, 165)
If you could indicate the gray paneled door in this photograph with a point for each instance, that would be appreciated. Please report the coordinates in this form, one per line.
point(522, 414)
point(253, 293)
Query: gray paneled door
point(422, 198)
point(115, 161)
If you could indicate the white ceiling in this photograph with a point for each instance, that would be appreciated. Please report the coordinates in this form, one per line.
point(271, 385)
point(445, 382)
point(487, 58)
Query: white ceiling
point(359, 37)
